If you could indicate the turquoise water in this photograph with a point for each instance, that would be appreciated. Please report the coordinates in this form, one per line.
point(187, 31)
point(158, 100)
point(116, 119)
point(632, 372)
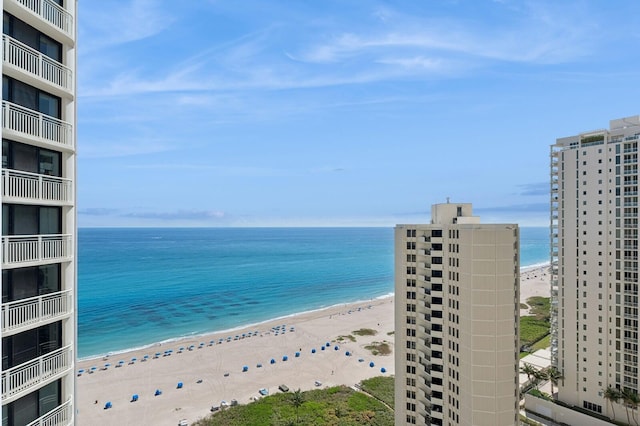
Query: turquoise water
point(139, 286)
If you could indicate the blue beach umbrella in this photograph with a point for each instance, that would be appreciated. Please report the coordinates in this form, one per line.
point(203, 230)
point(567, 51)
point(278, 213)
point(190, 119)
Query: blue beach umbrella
point(273, 361)
point(313, 351)
point(284, 358)
point(245, 368)
point(158, 392)
point(336, 348)
point(383, 370)
point(371, 364)
point(322, 348)
point(327, 344)
point(297, 354)
point(179, 385)
point(347, 353)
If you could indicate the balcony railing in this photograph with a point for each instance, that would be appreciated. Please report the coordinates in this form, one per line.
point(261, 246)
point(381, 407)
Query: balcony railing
point(26, 249)
point(24, 57)
point(25, 376)
point(34, 124)
point(35, 310)
point(50, 12)
point(36, 187)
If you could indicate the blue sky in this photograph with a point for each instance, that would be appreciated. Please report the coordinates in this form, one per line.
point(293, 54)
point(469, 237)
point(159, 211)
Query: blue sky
point(339, 112)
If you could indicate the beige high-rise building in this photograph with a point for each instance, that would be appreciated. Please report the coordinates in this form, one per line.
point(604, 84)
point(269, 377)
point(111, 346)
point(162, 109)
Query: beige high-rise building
point(594, 240)
point(456, 320)
point(38, 249)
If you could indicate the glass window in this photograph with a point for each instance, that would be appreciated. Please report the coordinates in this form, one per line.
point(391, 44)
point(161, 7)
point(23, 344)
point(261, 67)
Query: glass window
point(49, 397)
point(49, 163)
point(49, 104)
point(24, 158)
point(49, 278)
point(25, 220)
point(25, 409)
point(49, 220)
point(50, 48)
point(5, 88)
point(23, 94)
point(23, 283)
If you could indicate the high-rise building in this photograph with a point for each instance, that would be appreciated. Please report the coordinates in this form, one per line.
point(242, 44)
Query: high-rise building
point(38, 252)
point(594, 264)
point(456, 320)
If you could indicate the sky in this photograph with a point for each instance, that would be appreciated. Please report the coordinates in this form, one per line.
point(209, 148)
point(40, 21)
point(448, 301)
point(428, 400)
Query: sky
point(339, 112)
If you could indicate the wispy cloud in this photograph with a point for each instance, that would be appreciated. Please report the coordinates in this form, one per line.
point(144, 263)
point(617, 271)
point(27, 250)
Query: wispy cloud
point(116, 22)
point(98, 211)
point(178, 215)
point(531, 189)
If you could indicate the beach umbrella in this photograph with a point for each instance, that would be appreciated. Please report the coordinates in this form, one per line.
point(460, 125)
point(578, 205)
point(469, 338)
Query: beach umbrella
point(134, 359)
point(284, 358)
point(273, 361)
point(336, 348)
point(347, 353)
point(383, 370)
point(371, 364)
point(146, 357)
point(313, 351)
point(157, 355)
point(158, 392)
point(120, 363)
point(297, 354)
point(93, 369)
point(134, 397)
point(179, 385)
point(327, 344)
point(80, 372)
point(245, 368)
point(322, 348)
point(107, 365)
point(107, 405)
point(258, 365)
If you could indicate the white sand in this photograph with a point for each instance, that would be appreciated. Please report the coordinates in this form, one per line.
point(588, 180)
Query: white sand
point(210, 363)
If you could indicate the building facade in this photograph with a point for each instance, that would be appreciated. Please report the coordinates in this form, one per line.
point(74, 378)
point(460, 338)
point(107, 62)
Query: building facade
point(456, 320)
point(38, 212)
point(594, 264)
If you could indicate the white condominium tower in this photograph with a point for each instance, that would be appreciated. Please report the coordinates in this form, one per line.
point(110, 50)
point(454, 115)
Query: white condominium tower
point(456, 320)
point(38, 211)
point(594, 264)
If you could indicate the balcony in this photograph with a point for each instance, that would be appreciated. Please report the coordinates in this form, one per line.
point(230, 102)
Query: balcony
point(50, 12)
point(19, 186)
point(22, 379)
point(25, 58)
point(35, 311)
point(32, 124)
point(59, 416)
point(31, 250)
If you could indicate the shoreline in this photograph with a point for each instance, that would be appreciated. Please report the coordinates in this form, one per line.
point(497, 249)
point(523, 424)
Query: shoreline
point(170, 340)
point(303, 351)
point(230, 330)
point(226, 366)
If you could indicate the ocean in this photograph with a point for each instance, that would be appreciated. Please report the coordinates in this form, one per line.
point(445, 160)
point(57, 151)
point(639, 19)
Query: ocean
point(140, 286)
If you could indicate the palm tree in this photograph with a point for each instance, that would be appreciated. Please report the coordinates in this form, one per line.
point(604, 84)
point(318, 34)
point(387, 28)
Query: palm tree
point(540, 375)
point(612, 395)
point(297, 400)
point(529, 370)
point(633, 400)
point(554, 376)
point(625, 395)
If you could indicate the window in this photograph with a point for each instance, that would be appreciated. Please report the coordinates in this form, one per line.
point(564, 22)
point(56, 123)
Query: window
point(33, 38)
point(29, 97)
point(27, 158)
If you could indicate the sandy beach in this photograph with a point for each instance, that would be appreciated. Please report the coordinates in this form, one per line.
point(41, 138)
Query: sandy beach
point(203, 369)
point(211, 369)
